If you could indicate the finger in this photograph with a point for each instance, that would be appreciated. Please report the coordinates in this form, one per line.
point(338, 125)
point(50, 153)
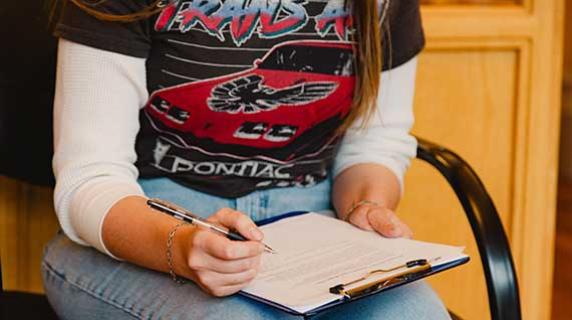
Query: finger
point(214, 282)
point(407, 232)
point(385, 222)
point(233, 279)
point(359, 218)
point(232, 266)
point(201, 261)
point(222, 248)
point(240, 222)
point(228, 290)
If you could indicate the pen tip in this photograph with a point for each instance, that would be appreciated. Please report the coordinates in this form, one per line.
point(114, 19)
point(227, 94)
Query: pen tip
point(270, 250)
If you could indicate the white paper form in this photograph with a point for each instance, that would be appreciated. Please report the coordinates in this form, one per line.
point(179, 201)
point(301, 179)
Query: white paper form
point(316, 252)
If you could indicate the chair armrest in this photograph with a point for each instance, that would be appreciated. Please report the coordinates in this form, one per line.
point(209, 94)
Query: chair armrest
point(486, 225)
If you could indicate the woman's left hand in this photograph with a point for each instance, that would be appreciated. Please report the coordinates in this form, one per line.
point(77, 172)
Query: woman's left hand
point(380, 219)
point(372, 191)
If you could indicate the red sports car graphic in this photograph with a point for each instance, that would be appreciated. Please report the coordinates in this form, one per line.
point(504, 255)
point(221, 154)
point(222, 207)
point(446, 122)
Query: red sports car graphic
point(296, 86)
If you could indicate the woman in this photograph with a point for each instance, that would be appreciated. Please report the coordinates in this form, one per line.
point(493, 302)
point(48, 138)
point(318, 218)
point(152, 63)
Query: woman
point(238, 110)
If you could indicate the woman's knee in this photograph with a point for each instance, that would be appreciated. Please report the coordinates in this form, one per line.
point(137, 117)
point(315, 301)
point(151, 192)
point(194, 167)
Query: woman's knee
point(70, 301)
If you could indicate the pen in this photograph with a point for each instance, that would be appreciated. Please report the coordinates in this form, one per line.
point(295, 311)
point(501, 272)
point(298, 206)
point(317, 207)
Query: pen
point(183, 214)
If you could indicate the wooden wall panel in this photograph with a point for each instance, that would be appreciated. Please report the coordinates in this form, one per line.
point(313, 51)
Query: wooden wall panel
point(465, 100)
point(27, 222)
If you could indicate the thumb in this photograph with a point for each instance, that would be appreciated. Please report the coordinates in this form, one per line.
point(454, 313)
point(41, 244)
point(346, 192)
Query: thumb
point(385, 222)
point(359, 218)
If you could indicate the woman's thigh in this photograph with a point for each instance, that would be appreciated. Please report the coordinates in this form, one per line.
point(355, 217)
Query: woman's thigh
point(82, 283)
point(258, 205)
point(199, 203)
point(315, 198)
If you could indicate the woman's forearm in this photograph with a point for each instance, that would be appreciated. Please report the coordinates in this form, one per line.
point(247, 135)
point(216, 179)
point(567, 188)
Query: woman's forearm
point(371, 162)
point(135, 232)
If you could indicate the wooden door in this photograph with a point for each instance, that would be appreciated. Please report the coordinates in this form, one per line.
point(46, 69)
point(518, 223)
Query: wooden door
point(489, 88)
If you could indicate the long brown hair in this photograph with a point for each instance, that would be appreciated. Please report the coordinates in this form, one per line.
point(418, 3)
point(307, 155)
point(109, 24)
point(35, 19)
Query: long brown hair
point(368, 62)
point(368, 51)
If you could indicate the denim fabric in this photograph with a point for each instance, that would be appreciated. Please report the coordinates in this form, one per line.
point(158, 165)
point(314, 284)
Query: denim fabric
point(82, 283)
point(258, 205)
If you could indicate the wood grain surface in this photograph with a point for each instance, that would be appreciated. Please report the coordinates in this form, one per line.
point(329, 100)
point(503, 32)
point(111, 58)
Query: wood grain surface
point(27, 222)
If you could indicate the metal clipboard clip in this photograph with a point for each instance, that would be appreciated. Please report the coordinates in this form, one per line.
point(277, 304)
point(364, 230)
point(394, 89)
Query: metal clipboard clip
point(411, 269)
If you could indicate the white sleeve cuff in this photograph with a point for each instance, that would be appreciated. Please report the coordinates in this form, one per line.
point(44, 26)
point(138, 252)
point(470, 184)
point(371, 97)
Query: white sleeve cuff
point(91, 202)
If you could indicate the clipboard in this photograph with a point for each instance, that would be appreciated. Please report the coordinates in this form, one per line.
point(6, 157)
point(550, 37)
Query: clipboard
point(363, 287)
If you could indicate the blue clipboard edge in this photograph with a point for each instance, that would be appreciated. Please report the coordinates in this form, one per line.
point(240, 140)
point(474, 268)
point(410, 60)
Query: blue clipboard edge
point(280, 217)
point(343, 300)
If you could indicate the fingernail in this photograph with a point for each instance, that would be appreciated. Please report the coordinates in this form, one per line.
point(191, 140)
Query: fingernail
point(256, 234)
point(391, 230)
point(397, 232)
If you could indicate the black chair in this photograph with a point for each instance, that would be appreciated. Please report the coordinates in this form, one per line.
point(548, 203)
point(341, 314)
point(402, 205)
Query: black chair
point(26, 94)
point(494, 249)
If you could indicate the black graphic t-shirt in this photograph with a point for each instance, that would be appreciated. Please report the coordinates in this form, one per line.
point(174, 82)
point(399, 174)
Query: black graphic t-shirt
point(244, 94)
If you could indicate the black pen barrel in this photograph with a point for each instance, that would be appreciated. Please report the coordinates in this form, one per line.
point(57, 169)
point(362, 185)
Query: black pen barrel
point(232, 235)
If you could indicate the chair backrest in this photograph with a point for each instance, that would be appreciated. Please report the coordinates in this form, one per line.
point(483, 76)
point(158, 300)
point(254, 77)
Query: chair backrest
point(27, 72)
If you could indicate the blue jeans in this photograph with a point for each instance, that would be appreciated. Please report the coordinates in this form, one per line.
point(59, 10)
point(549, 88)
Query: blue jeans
point(82, 283)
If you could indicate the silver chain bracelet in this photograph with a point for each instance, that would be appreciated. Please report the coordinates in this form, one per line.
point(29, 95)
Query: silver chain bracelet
point(170, 239)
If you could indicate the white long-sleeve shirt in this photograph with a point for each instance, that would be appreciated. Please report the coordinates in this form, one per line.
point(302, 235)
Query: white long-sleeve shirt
point(99, 95)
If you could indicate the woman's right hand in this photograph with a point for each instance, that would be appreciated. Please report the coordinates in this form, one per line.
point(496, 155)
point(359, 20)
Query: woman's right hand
point(218, 265)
